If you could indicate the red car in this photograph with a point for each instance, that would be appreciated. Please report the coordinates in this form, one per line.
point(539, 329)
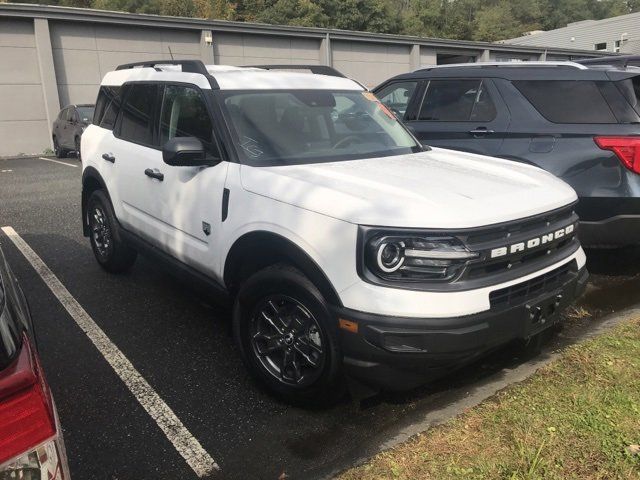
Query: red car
point(31, 445)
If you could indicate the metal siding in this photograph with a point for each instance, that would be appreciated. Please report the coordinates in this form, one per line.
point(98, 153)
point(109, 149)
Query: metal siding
point(588, 33)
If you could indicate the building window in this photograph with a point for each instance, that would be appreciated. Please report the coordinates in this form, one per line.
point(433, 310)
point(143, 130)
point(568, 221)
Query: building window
point(617, 47)
point(600, 46)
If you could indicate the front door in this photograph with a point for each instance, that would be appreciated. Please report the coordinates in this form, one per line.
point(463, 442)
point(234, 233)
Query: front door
point(461, 114)
point(189, 200)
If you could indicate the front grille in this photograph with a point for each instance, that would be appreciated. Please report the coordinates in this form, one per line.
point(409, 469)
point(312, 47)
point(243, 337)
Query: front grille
point(520, 292)
point(487, 269)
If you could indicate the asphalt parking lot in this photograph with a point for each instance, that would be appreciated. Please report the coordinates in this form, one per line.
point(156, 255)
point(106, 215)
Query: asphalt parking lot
point(180, 342)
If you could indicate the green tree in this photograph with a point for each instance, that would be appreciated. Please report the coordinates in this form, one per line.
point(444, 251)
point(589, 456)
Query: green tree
point(496, 22)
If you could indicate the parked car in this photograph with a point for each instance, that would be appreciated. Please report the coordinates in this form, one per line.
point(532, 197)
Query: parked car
point(68, 128)
point(580, 123)
point(344, 245)
point(31, 444)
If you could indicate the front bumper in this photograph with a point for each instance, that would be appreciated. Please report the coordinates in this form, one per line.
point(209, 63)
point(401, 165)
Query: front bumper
point(400, 353)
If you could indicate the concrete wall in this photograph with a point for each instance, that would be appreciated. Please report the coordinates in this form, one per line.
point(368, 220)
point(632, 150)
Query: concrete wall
point(83, 54)
point(56, 56)
point(370, 63)
point(247, 49)
point(23, 116)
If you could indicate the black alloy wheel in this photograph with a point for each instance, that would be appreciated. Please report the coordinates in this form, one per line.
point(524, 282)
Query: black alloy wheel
point(100, 232)
point(287, 341)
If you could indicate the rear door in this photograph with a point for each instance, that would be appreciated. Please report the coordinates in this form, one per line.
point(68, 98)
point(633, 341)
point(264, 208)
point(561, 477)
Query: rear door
point(136, 157)
point(460, 113)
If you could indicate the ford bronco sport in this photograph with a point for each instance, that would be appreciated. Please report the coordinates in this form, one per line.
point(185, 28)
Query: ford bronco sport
point(347, 248)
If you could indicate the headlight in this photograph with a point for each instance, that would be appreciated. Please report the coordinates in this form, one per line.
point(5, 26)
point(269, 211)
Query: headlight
point(414, 258)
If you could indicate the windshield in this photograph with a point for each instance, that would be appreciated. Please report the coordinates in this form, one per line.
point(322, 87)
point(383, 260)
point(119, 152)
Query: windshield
point(85, 113)
point(309, 126)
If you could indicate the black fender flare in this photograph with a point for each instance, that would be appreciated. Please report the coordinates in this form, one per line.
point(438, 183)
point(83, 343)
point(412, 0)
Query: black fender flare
point(256, 250)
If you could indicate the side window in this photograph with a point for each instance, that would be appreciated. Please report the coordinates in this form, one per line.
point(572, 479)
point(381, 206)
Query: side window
point(107, 107)
point(457, 101)
point(184, 114)
point(63, 114)
point(137, 114)
point(566, 101)
point(396, 96)
point(67, 114)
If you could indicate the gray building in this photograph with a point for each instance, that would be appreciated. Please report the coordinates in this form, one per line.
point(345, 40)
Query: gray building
point(614, 35)
point(55, 56)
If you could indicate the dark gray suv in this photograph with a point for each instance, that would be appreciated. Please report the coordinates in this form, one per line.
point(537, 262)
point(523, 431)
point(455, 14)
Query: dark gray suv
point(68, 128)
point(579, 122)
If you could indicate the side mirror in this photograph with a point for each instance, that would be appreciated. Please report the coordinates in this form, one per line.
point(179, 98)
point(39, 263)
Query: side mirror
point(186, 152)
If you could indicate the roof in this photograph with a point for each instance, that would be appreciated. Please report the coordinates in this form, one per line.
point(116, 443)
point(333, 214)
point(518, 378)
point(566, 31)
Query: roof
point(233, 78)
point(519, 71)
point(583, 34)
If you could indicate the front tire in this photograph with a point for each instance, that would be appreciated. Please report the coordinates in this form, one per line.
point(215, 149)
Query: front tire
point(58, 150)
point(288, 336)
point(77, 145)
point(111, 252)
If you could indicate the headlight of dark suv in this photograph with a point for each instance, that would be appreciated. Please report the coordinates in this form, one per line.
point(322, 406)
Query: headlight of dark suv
point(409, 257)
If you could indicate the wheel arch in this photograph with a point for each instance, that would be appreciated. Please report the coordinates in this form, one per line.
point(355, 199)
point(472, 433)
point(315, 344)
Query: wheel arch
point(91, 181)
point(244, 259)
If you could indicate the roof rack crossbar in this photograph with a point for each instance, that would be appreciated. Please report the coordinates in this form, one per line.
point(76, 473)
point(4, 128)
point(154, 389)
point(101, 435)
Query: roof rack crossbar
point(188, 66)
point(315, 69)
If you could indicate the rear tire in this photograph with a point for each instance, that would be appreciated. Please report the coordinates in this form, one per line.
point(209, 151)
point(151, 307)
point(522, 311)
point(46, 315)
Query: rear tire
point(111, 252)
point(288, 337)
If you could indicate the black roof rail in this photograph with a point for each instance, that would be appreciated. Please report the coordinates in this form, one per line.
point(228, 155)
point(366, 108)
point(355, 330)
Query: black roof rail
point(188, 66)
point(315, 69)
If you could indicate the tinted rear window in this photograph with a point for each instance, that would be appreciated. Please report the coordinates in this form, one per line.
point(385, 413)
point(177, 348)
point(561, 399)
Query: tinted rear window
point(562, 101)
point(107, 107)
point(137, 113)
point(630, 89)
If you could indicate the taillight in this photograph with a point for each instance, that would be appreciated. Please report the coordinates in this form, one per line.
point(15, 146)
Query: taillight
point(627, 149)
point(28, 424)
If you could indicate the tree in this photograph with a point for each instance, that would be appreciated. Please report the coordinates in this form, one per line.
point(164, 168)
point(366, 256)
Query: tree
point(496, 22)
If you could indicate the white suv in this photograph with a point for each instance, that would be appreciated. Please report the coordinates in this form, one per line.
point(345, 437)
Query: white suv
point(347, 249)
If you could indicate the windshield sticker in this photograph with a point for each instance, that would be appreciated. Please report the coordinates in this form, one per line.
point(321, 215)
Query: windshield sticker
point(372, 98)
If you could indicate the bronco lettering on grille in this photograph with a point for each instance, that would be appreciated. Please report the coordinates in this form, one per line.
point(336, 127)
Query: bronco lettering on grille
point(533, 242)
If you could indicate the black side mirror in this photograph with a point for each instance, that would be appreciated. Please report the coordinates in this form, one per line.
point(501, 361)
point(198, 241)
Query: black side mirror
point(186, 152)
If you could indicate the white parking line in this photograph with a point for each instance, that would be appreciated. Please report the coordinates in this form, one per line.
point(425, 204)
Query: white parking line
point(57, 161)
point(185, 443)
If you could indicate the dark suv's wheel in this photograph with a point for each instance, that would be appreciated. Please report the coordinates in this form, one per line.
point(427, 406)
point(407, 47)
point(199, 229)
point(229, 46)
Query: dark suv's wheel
point(58, 150)
point(288, 337)
point(77, 144)
point(110, 251)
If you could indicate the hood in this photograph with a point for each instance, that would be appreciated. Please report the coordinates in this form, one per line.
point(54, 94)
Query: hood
point(434, 189)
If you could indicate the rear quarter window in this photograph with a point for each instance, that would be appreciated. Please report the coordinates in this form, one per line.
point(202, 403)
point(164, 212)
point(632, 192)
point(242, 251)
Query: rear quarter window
point(567, 101)
point(107, 107)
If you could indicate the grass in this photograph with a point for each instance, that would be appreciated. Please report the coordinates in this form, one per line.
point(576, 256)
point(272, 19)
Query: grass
point(576, 418)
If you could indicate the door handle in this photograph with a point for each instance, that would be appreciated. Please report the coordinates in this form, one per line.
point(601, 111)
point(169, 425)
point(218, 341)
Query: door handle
point(480, 131)
point(154, 173)
point(109, 157)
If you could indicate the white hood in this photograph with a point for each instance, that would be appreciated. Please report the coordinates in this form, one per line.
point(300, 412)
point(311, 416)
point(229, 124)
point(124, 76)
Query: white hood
point(435, 189)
